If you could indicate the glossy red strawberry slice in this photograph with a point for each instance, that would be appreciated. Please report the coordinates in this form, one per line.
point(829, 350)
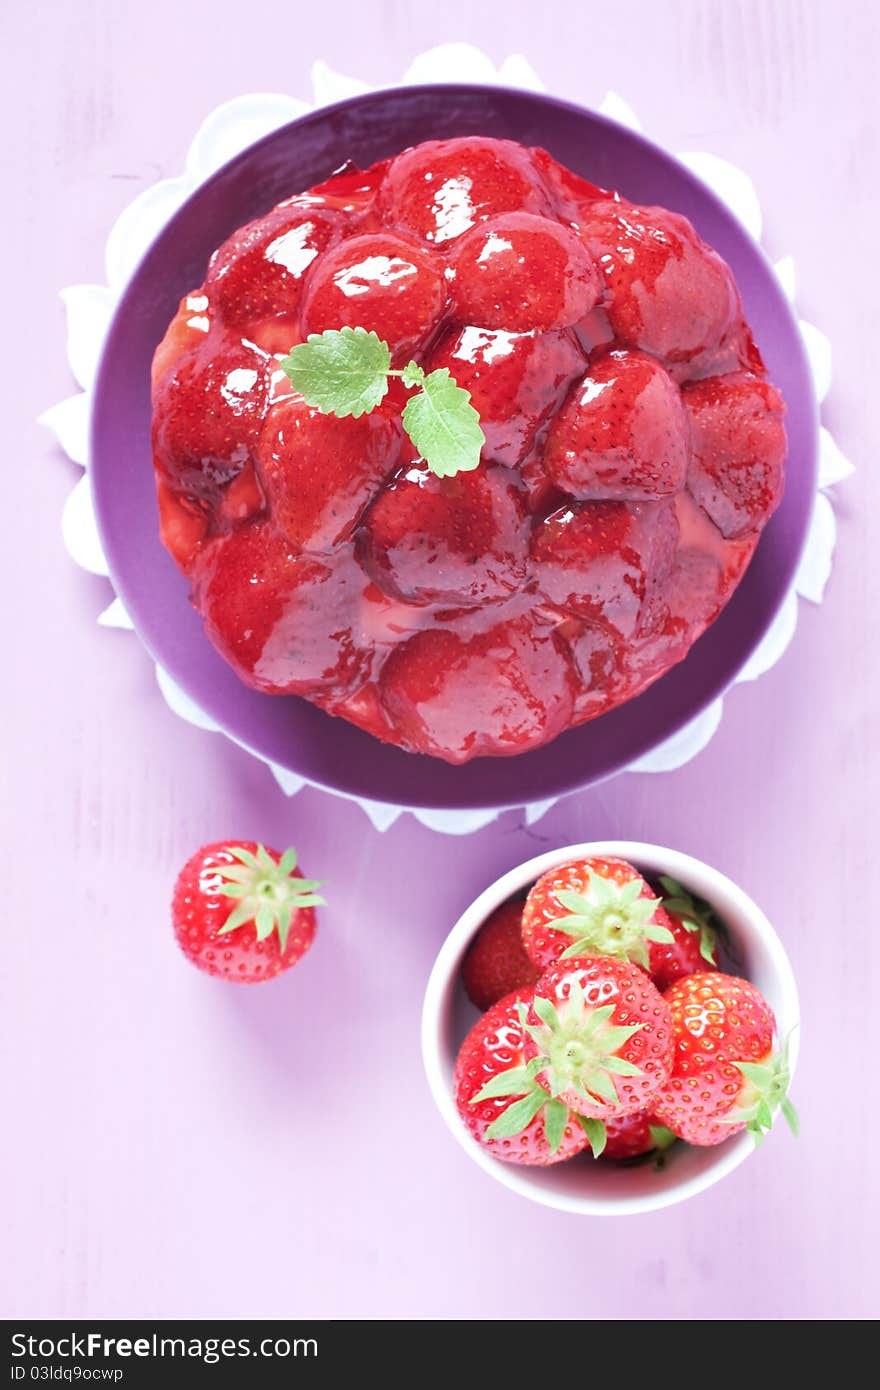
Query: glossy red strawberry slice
point(667, 292)
point(458, 541)
point(321, 473)
point(520, 272)
point(599, 559)
point(622, 433)
point(515, 380)
point(208, 413)
point(384, 283)
point(283, 620)
point(260, 271)
point(738, 450)
point(500, 692)
point(441, 188)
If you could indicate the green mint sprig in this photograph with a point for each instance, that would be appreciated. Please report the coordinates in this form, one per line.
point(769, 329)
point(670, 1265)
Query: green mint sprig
point(346, 371)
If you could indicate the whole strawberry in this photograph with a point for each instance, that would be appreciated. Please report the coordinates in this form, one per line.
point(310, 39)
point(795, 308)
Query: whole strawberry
point(244, 912)
point(496, 962)
point(694, 947)
point(598, 1037)
point(505, 1109)
point(595, 906)
point(633, 1136)
point(725, 1075)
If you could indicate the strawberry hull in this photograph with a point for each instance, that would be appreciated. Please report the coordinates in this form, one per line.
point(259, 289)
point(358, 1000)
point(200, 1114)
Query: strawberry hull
point(480, 615)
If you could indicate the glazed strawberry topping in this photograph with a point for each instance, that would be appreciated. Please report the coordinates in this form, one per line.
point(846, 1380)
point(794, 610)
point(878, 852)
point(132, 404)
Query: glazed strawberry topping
point(668, 293)
point(516, 381)
point(442, 188)
point(386, 284)
point(633, 449)
point(461, 540)
point(321, 473)
point(598, 559)
point(505, 690)
point(522, 272)
point(622, 433)
point(738, 449)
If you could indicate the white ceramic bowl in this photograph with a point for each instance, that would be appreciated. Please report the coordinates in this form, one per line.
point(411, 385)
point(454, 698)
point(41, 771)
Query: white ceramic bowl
point(582, 1184)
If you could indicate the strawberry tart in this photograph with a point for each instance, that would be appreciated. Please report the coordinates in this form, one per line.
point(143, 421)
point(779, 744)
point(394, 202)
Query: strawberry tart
point(462, 448)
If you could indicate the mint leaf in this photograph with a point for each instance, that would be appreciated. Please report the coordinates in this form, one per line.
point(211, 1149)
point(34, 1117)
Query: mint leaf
point(343, 371)
point(444, 426)
point(412, 374)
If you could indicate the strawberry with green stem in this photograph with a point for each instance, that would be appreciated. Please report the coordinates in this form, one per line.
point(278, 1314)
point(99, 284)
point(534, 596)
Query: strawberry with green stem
point(634, 1136)
point(594, 906)
point(505, 1109)
point(727, 1075)
point(694, 926)
point(244, 912)
point(602, 1035)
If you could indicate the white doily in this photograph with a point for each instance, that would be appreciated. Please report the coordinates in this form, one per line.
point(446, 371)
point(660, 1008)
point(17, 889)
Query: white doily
point(230, 129)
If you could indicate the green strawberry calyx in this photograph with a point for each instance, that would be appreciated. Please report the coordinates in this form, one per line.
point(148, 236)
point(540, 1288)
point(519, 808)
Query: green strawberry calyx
point(662, 1138)
point(610, 919)
point(579, 1047)
point(522, 1082)
point(763, 1095)
point(266, 892)
point(694, 915)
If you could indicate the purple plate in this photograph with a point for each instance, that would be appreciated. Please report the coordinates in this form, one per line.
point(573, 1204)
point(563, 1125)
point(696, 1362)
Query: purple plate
point(287, 730)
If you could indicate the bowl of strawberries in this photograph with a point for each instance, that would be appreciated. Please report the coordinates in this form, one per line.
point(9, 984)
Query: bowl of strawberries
point(611, 1028)
point(452, 447)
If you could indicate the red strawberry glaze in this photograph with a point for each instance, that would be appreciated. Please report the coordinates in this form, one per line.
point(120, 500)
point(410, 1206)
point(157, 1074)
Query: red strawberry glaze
point(667, 292)
point(461, 540)
point(600, 560)
point(442, 188)
point(500, 692)
point(622, 433)
point(633, 450)
point(321, 473)
point(516, 381)
point(282, 617)
point(738, 450)
point(521, 272)
point(383, 283)
point(260, 271)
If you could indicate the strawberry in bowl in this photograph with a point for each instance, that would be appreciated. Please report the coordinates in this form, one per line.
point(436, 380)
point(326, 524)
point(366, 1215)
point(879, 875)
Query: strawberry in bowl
point(650, 1022)
point(461, 448)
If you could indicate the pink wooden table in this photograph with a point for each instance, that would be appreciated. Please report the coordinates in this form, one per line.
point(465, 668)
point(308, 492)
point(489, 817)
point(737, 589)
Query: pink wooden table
point(174, 1147)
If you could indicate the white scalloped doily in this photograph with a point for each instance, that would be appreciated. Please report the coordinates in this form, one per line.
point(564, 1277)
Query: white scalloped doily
point(230, 129)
